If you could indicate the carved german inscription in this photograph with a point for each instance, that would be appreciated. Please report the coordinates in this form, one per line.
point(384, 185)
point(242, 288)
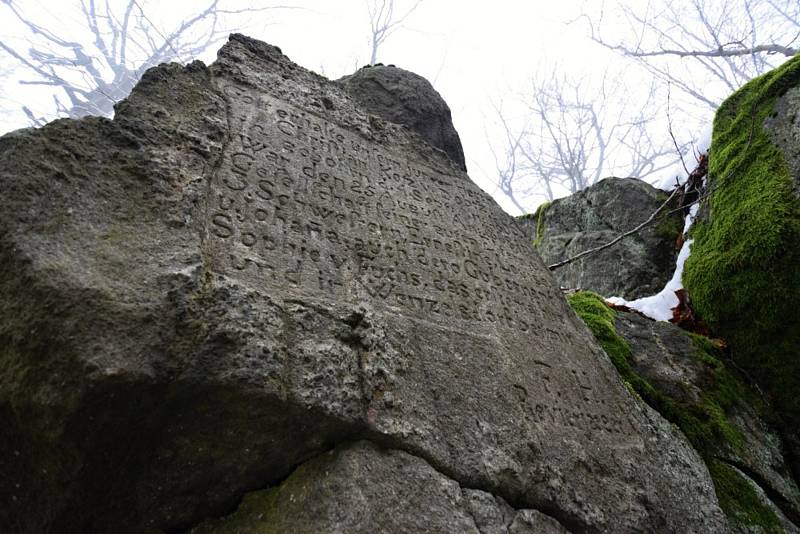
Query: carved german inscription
point(302, 204)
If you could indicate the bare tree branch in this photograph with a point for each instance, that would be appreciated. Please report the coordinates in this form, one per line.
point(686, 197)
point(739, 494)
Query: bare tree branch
point(92, 76)
point(705, 48)
point(672, 134)
point(576, 133)
point(718, 52)
point(383, 23)
point(620, 237)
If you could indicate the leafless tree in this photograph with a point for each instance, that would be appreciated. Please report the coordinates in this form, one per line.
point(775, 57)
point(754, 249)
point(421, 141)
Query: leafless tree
point(90, 75)
point(383, 21)
point(575, 133)
point(705, 48)
point(6, 68)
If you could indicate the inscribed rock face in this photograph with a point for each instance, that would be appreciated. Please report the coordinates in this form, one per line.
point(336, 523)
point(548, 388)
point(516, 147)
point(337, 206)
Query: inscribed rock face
point(244, 270)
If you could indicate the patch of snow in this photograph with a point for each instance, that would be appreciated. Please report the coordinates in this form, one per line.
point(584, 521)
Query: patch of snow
point(704, 141)
point(687, 223)
point(677, 174)
point(659, 306)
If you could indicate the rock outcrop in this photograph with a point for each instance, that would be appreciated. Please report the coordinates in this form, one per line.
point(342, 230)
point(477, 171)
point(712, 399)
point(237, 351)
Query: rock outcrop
point(743, 275)
point(690, 370)
point(402, 97)
point(244, 270)
point(688, 379)
point(640, 265)
point(783, 129)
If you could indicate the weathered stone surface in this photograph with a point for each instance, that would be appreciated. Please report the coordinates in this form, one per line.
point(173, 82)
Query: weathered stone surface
point(688, 379)
point(402, 97)
point(664, 355)
point(669, 360)
point(244, 269)
point(492, 515)
point(783, 128)
point(783, 523)
point(360, 488)
point(638, 266)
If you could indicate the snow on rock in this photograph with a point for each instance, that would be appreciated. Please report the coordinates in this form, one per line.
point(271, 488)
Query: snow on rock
point(704, 141)
point(659, 306)
point(677, 175)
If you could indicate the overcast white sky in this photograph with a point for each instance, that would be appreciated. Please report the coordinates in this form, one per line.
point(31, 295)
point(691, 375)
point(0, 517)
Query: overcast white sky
point(476, 53)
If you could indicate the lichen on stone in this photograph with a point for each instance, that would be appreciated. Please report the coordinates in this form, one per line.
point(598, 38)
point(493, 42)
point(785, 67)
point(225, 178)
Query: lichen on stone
point(668, 227)
point(539, 216)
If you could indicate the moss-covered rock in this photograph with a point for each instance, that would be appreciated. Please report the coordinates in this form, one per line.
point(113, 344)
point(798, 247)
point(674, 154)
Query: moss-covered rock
point(534, 222)
point(740, 500)
point(744, 271)
point(539, 217)
point(701, 418)
point(685, 378)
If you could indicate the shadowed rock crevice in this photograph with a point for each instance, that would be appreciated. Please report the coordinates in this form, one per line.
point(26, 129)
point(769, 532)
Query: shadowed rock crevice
point(361, 487)
point(787, 508)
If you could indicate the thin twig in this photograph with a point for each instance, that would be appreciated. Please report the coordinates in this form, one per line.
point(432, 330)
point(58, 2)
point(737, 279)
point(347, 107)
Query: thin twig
point(707, 194)
point(167, 40)
point(619, 237)
point(672, 135)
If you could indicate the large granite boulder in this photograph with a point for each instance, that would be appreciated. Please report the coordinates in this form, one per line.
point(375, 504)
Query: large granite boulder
point(245, 270)
point(638, 266)
point(691, 381)
point(743, 275)
point(403, 97)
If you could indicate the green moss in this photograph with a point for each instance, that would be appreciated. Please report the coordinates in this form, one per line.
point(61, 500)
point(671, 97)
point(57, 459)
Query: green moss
point(739, 499)
point(539, 215)
point(600, 319)
point(704, 423)
point(745, 264)
point(669, 226)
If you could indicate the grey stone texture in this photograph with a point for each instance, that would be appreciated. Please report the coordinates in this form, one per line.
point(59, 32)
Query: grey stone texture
point(667, 358)
point(402, 97)
point(245, 269)
point(638, 266)
point(359, 488)
point(783, 128)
